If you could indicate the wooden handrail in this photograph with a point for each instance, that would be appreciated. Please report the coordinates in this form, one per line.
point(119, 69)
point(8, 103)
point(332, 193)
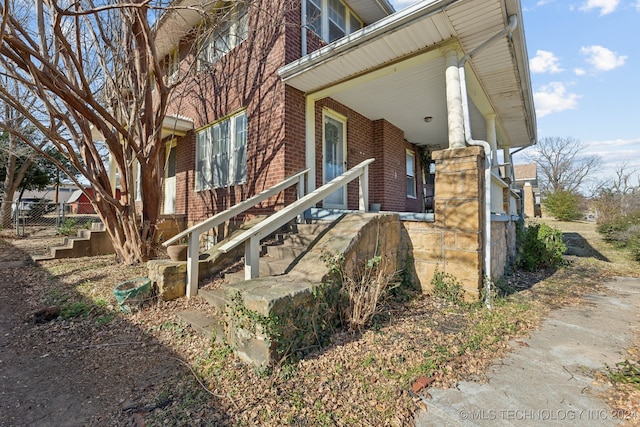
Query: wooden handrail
point(252, 237)
point(221, 217)
point(193, 251)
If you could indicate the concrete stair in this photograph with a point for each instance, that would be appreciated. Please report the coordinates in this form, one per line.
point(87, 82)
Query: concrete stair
point(91, 242)
point(210, 327)
point(278, 256)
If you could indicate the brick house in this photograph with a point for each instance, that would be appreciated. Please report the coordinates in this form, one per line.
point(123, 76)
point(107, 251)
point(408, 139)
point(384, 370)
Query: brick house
point(431, 92)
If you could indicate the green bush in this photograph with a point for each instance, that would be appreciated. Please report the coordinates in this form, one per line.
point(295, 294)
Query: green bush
point(540, 246)
point(623, 231)
point(563, 205)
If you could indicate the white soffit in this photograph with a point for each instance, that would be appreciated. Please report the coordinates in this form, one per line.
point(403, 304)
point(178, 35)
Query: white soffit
point(500, 69)
point(371, 11)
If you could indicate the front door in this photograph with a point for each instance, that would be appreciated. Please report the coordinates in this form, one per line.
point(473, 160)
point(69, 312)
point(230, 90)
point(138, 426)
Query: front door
point(334, 158)
point(170, 181)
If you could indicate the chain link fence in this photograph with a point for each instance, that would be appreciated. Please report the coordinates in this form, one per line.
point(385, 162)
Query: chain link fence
point(30, 215)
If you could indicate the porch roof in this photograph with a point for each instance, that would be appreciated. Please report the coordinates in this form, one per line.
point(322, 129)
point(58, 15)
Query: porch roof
point(395, 69)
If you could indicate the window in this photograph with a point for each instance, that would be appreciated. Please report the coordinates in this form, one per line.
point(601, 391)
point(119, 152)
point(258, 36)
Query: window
point(221, 153)
point(331, 19)
point(173, 66)
point(229, 28)
point(411, 175)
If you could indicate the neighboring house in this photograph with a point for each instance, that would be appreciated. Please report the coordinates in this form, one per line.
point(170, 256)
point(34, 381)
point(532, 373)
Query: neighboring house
point(80, 204)
point(526, 178)
point(326, 84)
point(63, 192)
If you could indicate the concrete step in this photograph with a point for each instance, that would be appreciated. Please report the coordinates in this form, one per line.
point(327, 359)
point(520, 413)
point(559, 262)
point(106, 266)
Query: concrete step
point(299, 239)
point(311, 229)
point(209, 327)
point(285, 251)
point(215, 297)
point(268, 267)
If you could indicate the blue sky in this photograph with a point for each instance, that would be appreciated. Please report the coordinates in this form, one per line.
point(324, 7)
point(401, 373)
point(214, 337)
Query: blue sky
point(584, 57)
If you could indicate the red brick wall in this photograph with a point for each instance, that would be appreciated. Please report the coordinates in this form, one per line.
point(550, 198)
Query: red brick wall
point(244, 78)
point(384, 142)
point(247, 78)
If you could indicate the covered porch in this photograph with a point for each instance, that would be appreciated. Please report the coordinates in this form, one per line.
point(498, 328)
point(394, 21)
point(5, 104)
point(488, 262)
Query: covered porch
point(448, 78)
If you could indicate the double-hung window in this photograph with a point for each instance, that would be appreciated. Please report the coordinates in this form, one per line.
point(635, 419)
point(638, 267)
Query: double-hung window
point(331, 19)
point(173, 66)
point(229, 27)
point(411, 174)
point(221, 153)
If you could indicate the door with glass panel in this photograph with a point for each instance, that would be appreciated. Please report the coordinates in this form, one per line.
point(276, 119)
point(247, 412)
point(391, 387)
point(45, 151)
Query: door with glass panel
point(334, 160)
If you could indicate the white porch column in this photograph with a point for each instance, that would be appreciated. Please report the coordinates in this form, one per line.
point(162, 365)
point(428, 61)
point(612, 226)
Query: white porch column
point(509, 166)
point(310, 142)
point(492, 139)
point(455, 118)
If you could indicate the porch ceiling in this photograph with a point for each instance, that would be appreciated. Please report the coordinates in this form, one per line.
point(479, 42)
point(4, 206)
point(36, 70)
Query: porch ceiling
point(395, 69)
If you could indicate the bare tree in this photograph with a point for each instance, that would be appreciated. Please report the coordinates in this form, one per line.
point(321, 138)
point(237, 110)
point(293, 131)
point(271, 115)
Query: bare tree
point(563, 164)
point(96, 74)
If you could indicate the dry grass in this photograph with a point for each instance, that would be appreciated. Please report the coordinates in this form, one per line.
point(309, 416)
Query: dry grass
point(361, 378)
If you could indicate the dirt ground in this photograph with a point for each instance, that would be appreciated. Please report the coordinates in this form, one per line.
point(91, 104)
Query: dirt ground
point(92, 369)
point(97, 367)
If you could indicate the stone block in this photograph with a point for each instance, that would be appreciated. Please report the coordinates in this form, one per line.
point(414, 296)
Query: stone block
point(466, 266)
point(169, 277)
point(468, 241)
point(463, 215)
point(424, 272)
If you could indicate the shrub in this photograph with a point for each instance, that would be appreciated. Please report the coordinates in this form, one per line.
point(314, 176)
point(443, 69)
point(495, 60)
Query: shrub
point(363, 289)
point(540, 246)
point(447, 287)
point(623, 231)
point(563, 205)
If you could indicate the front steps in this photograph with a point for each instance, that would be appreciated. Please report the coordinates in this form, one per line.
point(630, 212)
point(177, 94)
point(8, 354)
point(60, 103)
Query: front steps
point(278, 258)
point(299, 305)
point(281, 255)
point(91, 242)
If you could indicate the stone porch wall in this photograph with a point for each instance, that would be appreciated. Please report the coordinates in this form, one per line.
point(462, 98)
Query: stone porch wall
point(503, 246)
point(452, 243)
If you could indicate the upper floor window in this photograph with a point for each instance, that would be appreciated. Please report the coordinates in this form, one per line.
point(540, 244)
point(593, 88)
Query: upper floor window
point(221, 153)
point(173, 66)
point(331, 19)
point(229, 27)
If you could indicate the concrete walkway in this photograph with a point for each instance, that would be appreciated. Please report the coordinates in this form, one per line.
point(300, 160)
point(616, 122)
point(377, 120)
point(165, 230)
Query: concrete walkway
point(548, 383)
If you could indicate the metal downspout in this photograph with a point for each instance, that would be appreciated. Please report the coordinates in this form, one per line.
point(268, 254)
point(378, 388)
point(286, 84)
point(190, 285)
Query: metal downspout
point(513, 22)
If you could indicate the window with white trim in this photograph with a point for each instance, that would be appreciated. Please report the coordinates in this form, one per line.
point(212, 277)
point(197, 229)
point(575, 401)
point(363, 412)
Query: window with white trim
point(229, 28)
point(411, 174)
point(331, 19)
point(173, 66)
point(221, 153)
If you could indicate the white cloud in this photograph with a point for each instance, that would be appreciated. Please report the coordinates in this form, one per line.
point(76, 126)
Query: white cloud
point(579, 71)
point(602, 58)
point(638, 5)
point(605, 6)
point(554, 98)
point(544, 62)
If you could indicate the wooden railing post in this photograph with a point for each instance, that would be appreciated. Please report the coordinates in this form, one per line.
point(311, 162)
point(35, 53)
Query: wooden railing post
point(193, 256)
point(364, 189)
point(252, 258)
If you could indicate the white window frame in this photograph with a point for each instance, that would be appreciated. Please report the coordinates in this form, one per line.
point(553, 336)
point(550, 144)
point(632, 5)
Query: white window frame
point(230, 33)
point(349, 18)
point(173, 66)
point(411, 174)
point(223, 143)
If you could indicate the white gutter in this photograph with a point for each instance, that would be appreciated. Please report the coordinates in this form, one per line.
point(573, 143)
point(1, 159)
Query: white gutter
point(513, 22)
